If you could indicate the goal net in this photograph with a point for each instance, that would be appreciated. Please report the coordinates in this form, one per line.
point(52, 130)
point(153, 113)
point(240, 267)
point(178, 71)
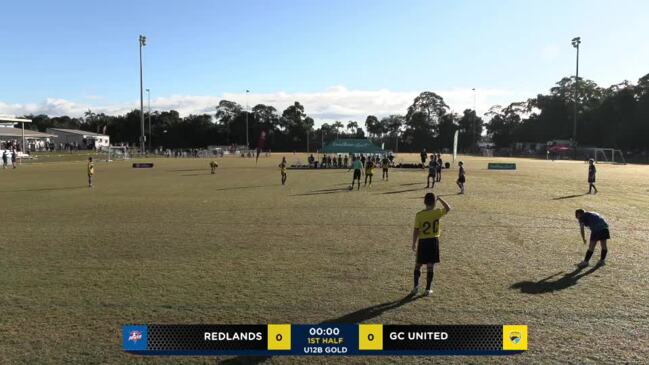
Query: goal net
point(117, 153)
point(608, 155)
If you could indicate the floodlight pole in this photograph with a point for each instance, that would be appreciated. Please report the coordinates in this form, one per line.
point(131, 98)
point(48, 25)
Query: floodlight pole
point(142, 138)
point(148, 93)
point(575, 43)
point(247, 138)
point(475, 123)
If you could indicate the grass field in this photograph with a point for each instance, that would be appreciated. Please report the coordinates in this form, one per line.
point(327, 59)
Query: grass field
point(175, 244)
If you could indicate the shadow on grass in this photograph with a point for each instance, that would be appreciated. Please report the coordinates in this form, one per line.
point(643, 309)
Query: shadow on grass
point(323, 191)
point(403, 191)
point(569, 196)
point(410, 184)
point(546, 286)
point(46, 189)
point(200, 174)
point(187, 170)
point(244, 187)
point(437, 195)
point(358, 316)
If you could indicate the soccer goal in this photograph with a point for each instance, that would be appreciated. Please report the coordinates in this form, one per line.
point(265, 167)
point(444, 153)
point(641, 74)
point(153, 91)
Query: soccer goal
point(608, 155)
point(117, 153)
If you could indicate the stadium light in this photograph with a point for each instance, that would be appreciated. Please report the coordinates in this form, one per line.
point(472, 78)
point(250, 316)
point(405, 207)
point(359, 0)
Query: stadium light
point(575, 43)
point(142, 138)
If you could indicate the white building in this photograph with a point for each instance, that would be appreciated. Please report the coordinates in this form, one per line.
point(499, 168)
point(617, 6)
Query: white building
point(80, 139)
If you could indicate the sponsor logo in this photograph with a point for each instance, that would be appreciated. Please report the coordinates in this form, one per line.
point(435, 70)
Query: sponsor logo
point(135, 336)
point(515, 337)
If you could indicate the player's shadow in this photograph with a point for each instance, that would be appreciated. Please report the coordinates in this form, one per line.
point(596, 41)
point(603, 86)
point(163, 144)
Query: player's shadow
point(548, 286)
point(186, 170)
point(402, 191)
point(358, 316)
point(243, 187)
point(569, 196)
point(323, 191)
point(46, 189)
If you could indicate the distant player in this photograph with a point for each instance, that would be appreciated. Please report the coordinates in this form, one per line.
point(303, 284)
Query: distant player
point(461, 179)
point(14, 155)
point(598, 233)
point(213, 166)
point(592, 171)
point(423, 155)
point(369, 171)
point(425, 240)
point(385, 166)
point(439, 167)
point(432, 172)
point(5, 159)
point(357, 166)
point(282, 167)
point(91, 171)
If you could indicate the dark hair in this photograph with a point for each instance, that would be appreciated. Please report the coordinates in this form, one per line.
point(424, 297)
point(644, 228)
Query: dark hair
point(429, 199)
point(89, 158)
point(579, 212)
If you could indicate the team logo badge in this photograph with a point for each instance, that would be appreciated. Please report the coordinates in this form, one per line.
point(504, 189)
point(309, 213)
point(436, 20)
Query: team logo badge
point(135, 336)
point(515, 337)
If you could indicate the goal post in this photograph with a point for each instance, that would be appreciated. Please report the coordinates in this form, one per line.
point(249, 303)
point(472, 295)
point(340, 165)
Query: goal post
point(117, 153)
point(608, 155)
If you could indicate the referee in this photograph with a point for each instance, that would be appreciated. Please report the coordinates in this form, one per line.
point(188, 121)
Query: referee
point(425, 240)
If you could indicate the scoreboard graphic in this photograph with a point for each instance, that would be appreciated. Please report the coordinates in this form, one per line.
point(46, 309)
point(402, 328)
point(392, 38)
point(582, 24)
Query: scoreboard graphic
point(323, 340)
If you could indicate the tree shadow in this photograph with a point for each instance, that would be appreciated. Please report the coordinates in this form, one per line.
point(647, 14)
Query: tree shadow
point(45, 189)
point(358, 316)
point(546, 286)
point(569, 196)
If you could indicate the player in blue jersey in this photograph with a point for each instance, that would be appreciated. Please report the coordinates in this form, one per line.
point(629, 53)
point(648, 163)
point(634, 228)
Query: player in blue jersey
point(598, 233)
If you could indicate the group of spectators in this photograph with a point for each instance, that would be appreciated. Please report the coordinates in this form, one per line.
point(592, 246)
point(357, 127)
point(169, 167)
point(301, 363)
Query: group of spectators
point(343, 161)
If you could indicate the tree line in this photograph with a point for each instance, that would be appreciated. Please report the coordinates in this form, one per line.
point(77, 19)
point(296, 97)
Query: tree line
point(616, 117)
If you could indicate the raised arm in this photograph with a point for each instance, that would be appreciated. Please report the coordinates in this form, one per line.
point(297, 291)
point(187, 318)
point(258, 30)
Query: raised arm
point(583, 235)
point(447, 208)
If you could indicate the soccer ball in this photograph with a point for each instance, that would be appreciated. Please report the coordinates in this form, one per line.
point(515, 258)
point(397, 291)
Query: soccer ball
point(350, 187)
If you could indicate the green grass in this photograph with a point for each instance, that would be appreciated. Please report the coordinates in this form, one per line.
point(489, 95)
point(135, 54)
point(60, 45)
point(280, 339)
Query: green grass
point(175, 244)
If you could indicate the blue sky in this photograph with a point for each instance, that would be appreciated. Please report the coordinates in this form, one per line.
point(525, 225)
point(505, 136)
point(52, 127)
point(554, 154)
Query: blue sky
point(344, 58)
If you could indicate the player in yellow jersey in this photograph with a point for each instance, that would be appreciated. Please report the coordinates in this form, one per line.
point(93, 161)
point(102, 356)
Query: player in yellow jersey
point(91, 171)
point(425, 240)
point(369, 171)
point(282, 167)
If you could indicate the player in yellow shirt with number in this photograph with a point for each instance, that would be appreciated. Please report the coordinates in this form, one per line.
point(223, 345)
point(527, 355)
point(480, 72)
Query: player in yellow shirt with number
point(425, 239)
point(282, 167)
point(91, 171)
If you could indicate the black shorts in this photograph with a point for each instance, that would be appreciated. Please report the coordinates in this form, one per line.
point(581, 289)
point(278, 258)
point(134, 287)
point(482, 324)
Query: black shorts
point(461, 179)
point(431, 175)
point(385, 169)
point(600, 235)
point(591, 180)
point(357, 174)
point(428, 251)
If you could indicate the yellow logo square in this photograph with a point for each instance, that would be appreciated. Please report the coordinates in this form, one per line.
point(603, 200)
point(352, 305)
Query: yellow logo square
point(279, 337)
point(370, 337)
point(515, 337)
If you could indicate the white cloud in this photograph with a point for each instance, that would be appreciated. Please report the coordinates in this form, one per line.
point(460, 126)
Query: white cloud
point(335, 103)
